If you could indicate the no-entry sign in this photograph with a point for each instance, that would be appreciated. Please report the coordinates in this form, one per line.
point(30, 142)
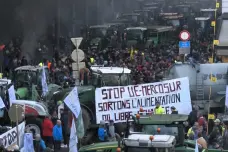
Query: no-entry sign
point(184, 35)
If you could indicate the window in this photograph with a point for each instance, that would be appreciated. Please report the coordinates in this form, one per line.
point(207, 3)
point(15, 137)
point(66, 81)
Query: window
point(115, 80)
point(25, 77)
point(223, 35)
point(134, 34)
point(165, 130)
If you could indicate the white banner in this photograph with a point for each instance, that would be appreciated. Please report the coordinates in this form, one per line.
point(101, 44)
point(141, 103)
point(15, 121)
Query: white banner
point(10, 137)
point(226, 102)
point(117, 103)
point(72, 101)
point(12, 95)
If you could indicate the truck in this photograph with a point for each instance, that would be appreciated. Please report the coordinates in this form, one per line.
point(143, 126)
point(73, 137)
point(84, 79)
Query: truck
point(207, 84)
point(97, 36)
point(148, 35)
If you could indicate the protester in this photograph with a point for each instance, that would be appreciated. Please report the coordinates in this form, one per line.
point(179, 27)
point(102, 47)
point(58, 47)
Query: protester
point(57, 135)
point(158, 109)
point(192, 117)
point(201, 141)
point(215, 139)
point(102, 132)
point(39, 144)
point(194, 131)
point(174, 110)
point(47, 127)
point(225, 136)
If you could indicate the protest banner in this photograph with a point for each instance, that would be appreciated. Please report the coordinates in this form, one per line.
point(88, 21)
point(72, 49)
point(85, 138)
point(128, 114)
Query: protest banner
point(10, 137)
point(119, 102)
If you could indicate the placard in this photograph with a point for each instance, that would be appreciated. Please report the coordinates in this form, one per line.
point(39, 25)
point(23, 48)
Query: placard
point(119, 102)
point(10, 137)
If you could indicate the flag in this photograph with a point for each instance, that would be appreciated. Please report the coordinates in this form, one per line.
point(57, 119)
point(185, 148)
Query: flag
point(80, 126)
point(226, 102)
point(72, 102)
point(73, 138)
point(2, 105)
point(12, 95)
point(44, 82)
point(196, 147)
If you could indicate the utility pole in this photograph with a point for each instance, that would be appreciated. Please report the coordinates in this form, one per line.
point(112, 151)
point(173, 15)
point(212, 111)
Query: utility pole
point(58, 25)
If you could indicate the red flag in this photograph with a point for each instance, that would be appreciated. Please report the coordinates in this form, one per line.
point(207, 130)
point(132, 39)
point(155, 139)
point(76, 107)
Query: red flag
point(2, 47)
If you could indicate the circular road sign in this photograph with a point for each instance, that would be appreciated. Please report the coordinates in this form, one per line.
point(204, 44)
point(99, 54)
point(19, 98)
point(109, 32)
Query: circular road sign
point(184, 35)
point(16, 113)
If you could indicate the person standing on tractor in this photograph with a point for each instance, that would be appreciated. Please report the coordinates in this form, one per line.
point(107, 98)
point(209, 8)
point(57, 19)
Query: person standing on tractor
point(158, 109)
point(174, 110)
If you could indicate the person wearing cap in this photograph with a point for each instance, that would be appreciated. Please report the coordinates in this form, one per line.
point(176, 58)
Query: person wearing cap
point(215, 139)
point(158, 109)
point(174, 110)
point(102, 132)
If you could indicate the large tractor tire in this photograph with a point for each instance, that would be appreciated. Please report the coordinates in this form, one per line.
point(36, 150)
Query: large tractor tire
point(87, 121)
point(34, 125)
point(120, 128)
point(86, 118)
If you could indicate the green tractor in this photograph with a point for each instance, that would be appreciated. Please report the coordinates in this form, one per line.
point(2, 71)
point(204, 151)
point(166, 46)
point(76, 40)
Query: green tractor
point(28, 83)
point(151, 133)
point(142, 135)
point(172, 124)
point(100, 76)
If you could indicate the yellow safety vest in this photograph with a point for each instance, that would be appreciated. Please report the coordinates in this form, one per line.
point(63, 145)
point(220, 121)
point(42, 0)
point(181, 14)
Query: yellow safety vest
point(41, 64)
point(91, 60)
point(159, 110)
point(190, 131)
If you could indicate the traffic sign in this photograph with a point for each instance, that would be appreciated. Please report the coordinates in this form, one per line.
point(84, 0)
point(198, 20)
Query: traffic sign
point(184, 35)
point(184, 44)
point(184, 47)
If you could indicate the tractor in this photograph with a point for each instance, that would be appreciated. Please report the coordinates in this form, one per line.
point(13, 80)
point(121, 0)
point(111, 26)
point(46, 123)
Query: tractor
point(34, 112)
point(28, 83)
point(100, 76)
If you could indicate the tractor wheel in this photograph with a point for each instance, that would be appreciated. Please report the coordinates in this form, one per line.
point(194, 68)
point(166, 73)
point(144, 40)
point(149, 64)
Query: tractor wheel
point(120, 128)
point(88, 138)
point(88, 134)
point(86, 119)
point(34, 125)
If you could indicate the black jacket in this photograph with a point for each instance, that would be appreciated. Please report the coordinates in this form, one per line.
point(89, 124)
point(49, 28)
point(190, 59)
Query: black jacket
point(174, 112)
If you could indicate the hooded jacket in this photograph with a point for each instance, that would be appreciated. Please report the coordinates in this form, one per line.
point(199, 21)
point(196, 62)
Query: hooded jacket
point(57, 133)
point(47, 127)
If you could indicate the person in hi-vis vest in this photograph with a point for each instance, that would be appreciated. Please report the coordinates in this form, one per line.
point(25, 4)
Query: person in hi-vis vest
point(158, 109)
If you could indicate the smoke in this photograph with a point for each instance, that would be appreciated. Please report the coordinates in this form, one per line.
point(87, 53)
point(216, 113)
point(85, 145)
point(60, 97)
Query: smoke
point(35, 16)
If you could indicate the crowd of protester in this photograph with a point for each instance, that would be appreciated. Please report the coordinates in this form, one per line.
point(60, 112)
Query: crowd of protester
point(197, 129)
